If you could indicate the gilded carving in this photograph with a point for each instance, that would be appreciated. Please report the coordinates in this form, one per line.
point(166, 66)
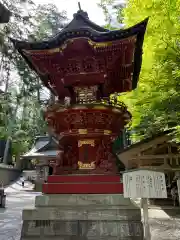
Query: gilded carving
point(82, 165)
point(82, 131)
point(85, 142)
point(107, 132)
point(105, 161)
point(86, 121)
point(89, 41)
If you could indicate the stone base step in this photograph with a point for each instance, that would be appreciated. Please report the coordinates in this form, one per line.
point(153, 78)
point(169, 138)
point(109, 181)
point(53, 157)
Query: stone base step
point(82, 217)
point(80, 238)
point(87, 229)
point(118, 213)
point(84, 200)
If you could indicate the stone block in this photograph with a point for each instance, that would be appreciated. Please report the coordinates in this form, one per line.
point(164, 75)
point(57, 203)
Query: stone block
point(79, 238)
point(81, 214)
point(82, 200)
point(49, 228)
point(87, 229)
point(82, 217)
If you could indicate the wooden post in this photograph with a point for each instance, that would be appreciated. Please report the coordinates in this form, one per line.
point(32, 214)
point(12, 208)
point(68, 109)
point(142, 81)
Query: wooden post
point(147, 234)
point(46, 172)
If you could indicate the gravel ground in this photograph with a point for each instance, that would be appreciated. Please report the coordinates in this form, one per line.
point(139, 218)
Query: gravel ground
point(165, 229)
point(10, 218)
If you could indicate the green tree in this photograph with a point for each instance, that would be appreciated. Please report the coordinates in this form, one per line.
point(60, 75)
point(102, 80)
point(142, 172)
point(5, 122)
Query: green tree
point(155, 104)
point(22, 102)
point(113, 11)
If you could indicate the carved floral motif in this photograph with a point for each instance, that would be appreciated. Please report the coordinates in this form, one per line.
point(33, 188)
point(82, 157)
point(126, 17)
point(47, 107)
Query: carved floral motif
point(86, 166)
point(112, 59)
point(87, 119)
point(105, 162)
point(87, 141)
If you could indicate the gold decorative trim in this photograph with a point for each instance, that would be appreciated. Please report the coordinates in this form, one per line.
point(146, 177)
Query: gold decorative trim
point(111, 43)
point(92, 43)
point(82, 131)
point(86, 165)
point(100, 107)
point(107, 132)
point(85, 142)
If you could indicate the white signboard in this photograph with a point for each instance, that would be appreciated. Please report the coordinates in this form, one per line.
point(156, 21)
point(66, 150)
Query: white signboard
point(144, 184)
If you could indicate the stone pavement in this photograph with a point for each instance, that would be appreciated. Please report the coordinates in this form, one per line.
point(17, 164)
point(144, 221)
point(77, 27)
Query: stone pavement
point(164, 223)
point(18, 198)
point(10, 218)
point(163, 226)
point(165, 229)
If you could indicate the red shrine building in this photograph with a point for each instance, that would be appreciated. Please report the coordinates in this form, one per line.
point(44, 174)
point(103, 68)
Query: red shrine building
point(82, 66)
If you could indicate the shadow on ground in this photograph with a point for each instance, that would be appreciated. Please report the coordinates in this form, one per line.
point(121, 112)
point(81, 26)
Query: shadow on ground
point(173, 212)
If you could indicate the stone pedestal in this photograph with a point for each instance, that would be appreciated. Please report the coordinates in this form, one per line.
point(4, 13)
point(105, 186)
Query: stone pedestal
point(82, 217)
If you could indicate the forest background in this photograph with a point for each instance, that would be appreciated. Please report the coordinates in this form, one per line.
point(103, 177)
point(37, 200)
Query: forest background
point(155, 104)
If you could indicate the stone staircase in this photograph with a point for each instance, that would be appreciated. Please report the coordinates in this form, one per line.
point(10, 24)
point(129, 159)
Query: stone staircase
point(82, 217)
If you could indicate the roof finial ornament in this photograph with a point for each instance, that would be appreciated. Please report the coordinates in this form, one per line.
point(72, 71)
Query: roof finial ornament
point(79, 5)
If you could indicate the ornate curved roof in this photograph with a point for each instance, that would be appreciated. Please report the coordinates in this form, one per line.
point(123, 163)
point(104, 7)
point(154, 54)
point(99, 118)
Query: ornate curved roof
point(116, 56)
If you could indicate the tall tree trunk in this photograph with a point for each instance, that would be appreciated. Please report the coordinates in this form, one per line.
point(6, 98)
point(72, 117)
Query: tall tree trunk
point(6, 150)
point(1, 69)
point(24, 111)
point(38, 92)
point(7, 76)
point(10, 126)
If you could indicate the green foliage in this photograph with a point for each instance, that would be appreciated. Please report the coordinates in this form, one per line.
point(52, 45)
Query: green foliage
point(155, 104)
point(113, 11)
point(21, 105)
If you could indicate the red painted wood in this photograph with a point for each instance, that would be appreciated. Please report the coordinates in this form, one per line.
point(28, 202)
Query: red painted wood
point(101, 119)
point(83, 178)
point(80, 55)
point(82, 188)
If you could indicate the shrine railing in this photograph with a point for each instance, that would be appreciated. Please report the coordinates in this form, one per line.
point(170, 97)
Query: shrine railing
point(105, 102)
